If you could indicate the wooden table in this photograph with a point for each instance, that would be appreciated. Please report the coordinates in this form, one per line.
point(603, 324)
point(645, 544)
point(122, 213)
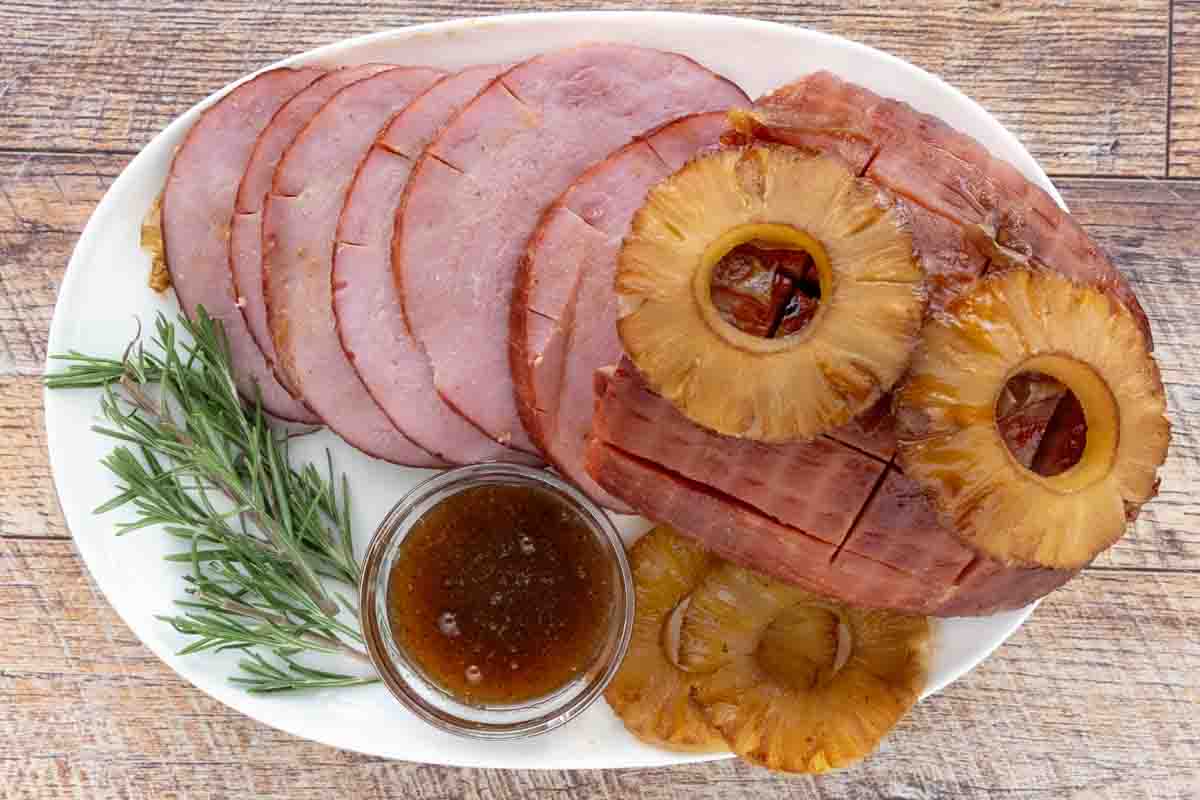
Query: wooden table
point(1097, 697)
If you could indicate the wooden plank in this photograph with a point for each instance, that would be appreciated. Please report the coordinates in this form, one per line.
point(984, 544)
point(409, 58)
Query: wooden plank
point(1097, 697)
point(29, 506)
point(1081, 83)
point(45, 200)
point(1185, 90)
point(1133, 220)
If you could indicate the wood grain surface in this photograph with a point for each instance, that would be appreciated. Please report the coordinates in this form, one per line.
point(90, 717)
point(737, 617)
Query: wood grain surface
point(1185, 90)
point(1097, 698)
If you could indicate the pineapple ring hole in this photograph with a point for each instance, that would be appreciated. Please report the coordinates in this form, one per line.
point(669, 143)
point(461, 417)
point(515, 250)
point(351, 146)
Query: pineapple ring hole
point(805, 646)
point(1101, 417)
point(1026, 434)
point(764, 237)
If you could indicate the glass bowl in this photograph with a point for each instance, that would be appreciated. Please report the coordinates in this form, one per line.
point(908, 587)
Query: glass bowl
point(429, 700)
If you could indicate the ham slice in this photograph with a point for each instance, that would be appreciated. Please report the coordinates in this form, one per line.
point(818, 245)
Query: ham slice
point(197, 209)
point(564, 313)
point(477, 193)
point(819, 513)
point(370, 318)
point(299, 225)
point(245, 240)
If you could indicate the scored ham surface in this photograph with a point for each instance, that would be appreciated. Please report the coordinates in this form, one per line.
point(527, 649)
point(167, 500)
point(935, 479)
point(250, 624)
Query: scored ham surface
point(817, 513)
point(477, 193)
point(564, 312)
point(197, 212)
point(245, 239)
point(299, 225)
point(370, 318)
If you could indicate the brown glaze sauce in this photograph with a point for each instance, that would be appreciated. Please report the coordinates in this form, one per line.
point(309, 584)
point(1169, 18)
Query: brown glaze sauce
point(500, 594)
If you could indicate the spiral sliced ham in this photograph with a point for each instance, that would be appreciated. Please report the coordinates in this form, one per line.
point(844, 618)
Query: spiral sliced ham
point(477, 193)
point(299, 226)
point(564, 314)
point(245, 239)
point(198, 209)
point(370, 318)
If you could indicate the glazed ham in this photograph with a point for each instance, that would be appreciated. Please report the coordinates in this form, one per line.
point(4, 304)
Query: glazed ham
point(299, 225)
point(817, 485)
point(970, 210)
point(370, 318)
point(197, 210)
point(477, 193)
point(897, 553)
point(564, 315)
point(817, 513)
point(245, 240)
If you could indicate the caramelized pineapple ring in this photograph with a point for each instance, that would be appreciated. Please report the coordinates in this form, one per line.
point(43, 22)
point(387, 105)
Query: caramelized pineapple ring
point(798, 682)
point(1012, 323)
point(650, 694)
point(851, 352)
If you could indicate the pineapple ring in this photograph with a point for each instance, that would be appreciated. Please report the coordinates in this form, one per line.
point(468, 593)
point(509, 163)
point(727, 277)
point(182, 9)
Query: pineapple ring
point(852, 351)
point(797, 682)
point(1016, 322)
point(650, 693)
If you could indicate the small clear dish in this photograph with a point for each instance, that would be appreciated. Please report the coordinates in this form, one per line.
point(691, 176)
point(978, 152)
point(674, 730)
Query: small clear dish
point(429, 700)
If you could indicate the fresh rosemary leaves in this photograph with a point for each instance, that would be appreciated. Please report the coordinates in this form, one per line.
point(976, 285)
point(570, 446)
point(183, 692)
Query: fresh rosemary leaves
point(265, 540)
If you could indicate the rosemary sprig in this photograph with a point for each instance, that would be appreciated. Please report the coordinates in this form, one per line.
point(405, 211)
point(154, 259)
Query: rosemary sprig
point(196, 460)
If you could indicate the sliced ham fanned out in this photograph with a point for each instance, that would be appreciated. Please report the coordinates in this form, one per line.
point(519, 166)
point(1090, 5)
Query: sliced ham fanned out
point(947, 176)
point(816, 513)
point(197, 211)
point(370, 318)
point(477, 193)
point(564, 314)
point(245, 239)
point(299, 225)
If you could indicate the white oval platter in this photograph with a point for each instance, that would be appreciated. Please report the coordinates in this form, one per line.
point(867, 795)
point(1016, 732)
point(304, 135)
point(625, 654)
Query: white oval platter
point(105, 290)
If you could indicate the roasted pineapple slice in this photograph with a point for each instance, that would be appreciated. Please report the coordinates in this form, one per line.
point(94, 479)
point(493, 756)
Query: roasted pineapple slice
point(775, 198)
point(794, 681)
point(650, 693)
point(1016, 322)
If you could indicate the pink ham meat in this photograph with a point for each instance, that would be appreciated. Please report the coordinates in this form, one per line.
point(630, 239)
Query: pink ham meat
point(817, 513)
point(479, 190)
point(197, 209)
point(299, 225)
point(564, 315)
point(245, 240)
point(370, 319)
